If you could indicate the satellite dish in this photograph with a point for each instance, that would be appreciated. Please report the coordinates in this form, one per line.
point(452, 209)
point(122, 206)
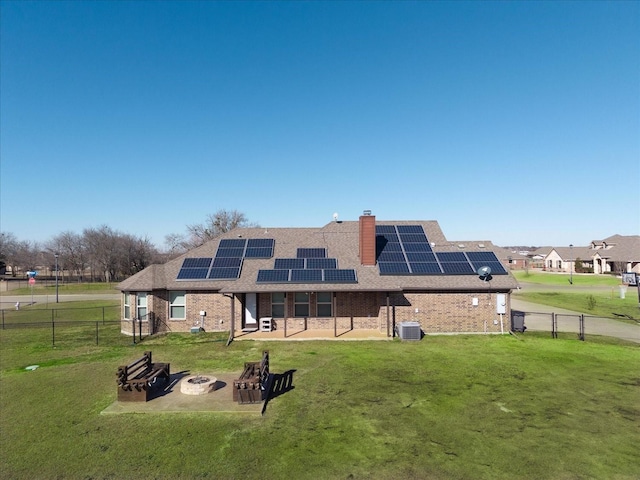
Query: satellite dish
point(484, 273)
point(335, 217)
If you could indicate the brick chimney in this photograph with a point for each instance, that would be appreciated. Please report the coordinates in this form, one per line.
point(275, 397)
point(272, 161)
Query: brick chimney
point(367, 238)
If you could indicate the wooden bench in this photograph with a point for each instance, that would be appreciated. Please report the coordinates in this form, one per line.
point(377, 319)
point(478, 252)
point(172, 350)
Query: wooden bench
point(252, 385)
point(136, 379)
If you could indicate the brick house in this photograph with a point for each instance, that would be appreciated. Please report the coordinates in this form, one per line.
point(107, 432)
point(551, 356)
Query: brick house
point(353, 276)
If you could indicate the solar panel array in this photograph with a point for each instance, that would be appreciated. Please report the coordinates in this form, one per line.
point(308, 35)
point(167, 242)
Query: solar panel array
point(311, 265)
point(227, 263)
point(405, 250)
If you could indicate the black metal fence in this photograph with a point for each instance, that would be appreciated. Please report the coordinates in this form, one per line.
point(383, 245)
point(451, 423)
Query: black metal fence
point(67, 326)
point(556, 323)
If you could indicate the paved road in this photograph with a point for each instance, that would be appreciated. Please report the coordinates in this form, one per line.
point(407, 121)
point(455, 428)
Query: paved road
point(9, 301)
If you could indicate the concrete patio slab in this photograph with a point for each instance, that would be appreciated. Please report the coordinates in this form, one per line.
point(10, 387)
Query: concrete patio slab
point(170, 399)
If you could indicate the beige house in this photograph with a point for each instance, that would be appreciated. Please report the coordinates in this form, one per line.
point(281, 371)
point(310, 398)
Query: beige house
point(347, 277)
point(617, 254)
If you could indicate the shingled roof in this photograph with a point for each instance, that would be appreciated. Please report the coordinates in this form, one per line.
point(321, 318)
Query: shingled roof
point(341, 241)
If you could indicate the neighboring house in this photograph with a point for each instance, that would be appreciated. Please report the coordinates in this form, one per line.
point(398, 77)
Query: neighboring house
point(563, 259)
point(353, 275)
point(513, 260)
point(617, 254)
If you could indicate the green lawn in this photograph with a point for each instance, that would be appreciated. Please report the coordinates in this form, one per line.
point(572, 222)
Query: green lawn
point(596, 304)
point(447, 407)
point(553, 279)
point(66, 289)
point(597, 295)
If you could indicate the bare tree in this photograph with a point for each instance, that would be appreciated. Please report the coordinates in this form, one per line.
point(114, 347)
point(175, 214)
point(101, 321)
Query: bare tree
point(175, 244)
point(72, 253)
point(8, 249)
point(216, 224)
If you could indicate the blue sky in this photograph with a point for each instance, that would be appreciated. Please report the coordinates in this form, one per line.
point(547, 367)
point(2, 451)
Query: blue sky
point(516, 122)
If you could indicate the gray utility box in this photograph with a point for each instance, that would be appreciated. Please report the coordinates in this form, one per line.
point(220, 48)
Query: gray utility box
point(409, 330)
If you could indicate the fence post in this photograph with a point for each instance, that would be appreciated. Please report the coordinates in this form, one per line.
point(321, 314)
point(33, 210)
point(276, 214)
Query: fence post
point(133, 329)
point(103, 315)
point(554, 325)
point(53, 330)
point(97, 332)
point(140, 328)
point(581, 334)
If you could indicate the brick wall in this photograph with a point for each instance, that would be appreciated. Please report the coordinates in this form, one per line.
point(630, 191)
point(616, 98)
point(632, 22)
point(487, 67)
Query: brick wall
point(445, 312)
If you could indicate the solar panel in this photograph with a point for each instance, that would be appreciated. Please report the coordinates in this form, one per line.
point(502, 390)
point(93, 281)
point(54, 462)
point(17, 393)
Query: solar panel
point(416, 247)
point(451, 256)
point(388, 236)
point(273, 276)
point(340, 276)
point(390, 247)
point(306, 275)
point(228, 262)
point(425, 268)
point(260, 243)
point(312, 252)
point(258, 252)
point(230, 252)
point(288, 263)
point(197, 262)
point(413, 238)
point(380, 229)
point(409, 229)
point(482, 257)
point(421, 257)
point(457, 268)
point(321, 263)
point(224, 273)
point(192, 273)
point(232, 243)
point(391, 257)
point(393, 268)
point(489, 259)
point(260, 248)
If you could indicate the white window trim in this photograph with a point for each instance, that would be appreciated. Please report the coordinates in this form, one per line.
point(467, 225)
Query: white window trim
point(127, 306)
point(140, 295)
point(171, 304)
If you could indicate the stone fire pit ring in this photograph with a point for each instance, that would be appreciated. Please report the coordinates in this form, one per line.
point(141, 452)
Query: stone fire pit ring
point(198, 384)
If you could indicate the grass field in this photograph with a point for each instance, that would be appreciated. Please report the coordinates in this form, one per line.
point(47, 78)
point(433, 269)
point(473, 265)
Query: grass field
point(65, 289)
point(554, 279)
point(596, 295)
point(462, 407)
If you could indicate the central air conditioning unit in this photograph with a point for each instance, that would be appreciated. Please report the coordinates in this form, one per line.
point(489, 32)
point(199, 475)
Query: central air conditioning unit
point(409, 330)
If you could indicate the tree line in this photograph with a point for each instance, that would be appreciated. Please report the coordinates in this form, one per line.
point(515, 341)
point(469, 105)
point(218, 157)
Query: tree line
point(104, 254)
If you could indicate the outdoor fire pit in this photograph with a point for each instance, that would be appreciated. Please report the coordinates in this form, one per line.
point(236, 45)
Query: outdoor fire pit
point(198, 384)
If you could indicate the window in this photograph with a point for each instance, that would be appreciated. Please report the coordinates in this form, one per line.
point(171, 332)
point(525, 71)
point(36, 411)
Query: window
point(127, 306)
point(142, 306)
point(301, 304)
point(324, 304)
point(277, 305)
point(177, 305)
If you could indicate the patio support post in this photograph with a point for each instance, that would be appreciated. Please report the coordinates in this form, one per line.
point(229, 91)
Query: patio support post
point(388, 316)
point(335, 317)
